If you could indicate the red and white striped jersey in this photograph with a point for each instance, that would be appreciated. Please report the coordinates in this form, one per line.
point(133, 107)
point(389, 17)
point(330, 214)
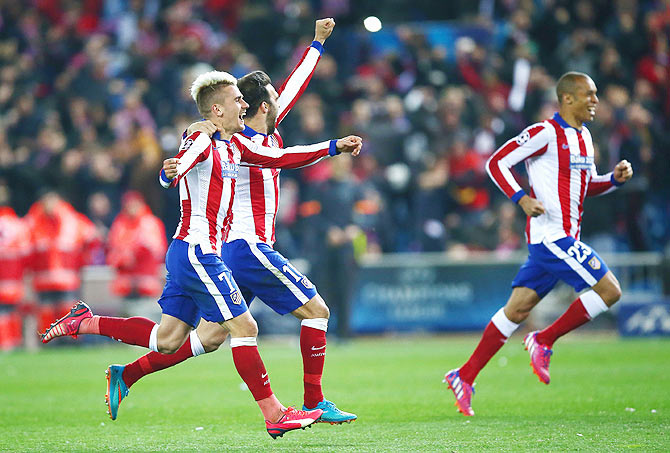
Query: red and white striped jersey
point(561, 171)
point(257, 191)
point(206, 176)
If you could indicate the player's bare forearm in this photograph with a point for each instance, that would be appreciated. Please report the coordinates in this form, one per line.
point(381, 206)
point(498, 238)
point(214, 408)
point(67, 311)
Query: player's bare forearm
point(531, 206)
point(170, 167)
point(206, 127)
point(350, 144)
point(623, 171)
point(323, 29)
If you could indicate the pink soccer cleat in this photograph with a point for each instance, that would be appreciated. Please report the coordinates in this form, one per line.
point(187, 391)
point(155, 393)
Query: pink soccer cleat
point(540, 355)
point(68, 324)
point(292, 419)
point(462, 391)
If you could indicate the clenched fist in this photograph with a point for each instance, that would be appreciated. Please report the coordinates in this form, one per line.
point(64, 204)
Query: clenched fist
point(323, 29)
point(350, 144)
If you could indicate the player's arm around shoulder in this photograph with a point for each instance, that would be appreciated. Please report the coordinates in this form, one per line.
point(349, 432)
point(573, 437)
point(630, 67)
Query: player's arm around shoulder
point(194, 146)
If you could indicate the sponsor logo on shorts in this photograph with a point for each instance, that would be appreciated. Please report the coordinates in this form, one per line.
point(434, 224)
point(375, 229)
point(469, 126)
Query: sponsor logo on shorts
point(594, 263)
point(187, 144)
point(236, 297)
point(306, 283)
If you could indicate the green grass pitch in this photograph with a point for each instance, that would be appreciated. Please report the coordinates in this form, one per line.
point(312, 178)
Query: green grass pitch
point(53, 400)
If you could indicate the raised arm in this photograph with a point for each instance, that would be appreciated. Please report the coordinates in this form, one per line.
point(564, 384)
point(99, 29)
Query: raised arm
point(533, 141)
point(299, 78)
point(193, 149)
point(255, 154)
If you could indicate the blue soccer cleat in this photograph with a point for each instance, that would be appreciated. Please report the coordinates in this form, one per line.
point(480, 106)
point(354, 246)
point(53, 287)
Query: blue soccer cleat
point(116, 389)
point(331, 414)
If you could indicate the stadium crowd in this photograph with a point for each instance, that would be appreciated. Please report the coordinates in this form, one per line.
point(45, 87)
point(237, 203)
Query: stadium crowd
point(94, 95)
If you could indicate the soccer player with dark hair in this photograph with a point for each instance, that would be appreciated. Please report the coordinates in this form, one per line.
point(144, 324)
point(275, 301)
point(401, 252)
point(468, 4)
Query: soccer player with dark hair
point(559, 158)
point(198, 283)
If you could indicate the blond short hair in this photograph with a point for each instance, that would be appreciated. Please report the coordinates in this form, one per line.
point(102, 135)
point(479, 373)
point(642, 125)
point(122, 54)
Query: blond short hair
point(206, 86)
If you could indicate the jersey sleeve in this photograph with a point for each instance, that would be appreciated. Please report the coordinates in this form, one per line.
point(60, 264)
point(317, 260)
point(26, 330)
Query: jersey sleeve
point(254, 154)
point(193, 149)
point(298, 80)
point(601, 184)
point(533, 141)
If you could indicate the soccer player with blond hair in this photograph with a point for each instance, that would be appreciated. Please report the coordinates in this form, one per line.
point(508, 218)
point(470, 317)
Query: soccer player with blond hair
point(198, 283)
point(258, 269)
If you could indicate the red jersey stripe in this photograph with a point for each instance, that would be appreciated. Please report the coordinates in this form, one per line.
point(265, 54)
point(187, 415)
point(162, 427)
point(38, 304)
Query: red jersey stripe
point(563, 151)
point(185, 213)
point(582, 188)
point(214, 197)
point(229, 215)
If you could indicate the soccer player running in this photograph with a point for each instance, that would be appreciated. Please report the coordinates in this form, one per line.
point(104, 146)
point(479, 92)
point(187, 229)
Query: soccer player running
point(257, 269)
point(198, 283)
point(559, 158)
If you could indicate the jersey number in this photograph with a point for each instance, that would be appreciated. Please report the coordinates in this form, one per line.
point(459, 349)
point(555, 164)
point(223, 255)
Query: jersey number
point(293, 271)
point(224, 276)
point(579, 251)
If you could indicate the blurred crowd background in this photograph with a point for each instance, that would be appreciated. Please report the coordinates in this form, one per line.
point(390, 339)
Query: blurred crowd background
point(94, 95)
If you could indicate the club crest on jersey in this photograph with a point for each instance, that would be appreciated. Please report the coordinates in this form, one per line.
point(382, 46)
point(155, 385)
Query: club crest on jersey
point(306, 283)
point(229, 169)
point(236, 297)
point(522, 138)
point(187, 144)
point(580, 162)
point(594, 263)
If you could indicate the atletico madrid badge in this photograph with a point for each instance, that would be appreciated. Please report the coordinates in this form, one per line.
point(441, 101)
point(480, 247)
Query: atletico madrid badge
point(594, 263)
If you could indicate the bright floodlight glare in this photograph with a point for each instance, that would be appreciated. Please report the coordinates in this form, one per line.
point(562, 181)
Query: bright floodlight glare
point(372, 24)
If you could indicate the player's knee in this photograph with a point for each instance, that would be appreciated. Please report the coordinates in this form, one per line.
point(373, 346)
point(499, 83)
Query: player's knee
point(212, 342)
point(248, 329)
point(169, 345)
point(612, 294)
point(518, 316)
point(319, 310)
point(315, 308)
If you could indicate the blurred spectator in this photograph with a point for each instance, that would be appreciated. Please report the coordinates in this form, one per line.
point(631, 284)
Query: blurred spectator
point(137, 247)
point(94, 94)
point(62, 241)
point(14, 248)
